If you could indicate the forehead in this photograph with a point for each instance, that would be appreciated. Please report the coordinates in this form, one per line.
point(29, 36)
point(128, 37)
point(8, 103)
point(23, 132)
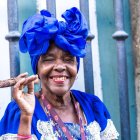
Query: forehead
point(53, 49)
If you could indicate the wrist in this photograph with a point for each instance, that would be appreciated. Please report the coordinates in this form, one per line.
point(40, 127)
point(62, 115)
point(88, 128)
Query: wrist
point(26, 118)
point(25, 125)
point(20, 136)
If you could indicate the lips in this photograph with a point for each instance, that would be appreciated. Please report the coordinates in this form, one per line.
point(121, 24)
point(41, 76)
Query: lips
point(59, 78)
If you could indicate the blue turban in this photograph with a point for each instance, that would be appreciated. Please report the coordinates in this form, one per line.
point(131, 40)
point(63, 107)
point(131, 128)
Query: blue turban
point(40, 29)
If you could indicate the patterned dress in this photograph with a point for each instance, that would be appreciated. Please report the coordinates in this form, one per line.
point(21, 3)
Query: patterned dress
point(99, 124)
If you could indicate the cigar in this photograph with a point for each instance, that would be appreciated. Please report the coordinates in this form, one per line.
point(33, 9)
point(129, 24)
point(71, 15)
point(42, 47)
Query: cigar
point(8, 82)
point(12, 81)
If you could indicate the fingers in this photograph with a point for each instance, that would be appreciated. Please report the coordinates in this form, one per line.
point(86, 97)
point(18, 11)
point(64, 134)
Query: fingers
point(25, 101)
point(29, 79)
point(19, 85)
point(37, 80)
point(30, 83)
point(25, 81)
point(18, 88)
point(23, 75)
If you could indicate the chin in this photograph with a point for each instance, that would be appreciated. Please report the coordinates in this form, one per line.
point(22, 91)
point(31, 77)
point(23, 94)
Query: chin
point(60, 92)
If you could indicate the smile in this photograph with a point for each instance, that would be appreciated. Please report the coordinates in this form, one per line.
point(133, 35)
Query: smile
point(59, 78)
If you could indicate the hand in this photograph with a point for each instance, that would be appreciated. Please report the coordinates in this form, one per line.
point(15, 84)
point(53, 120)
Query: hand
point(25, 101)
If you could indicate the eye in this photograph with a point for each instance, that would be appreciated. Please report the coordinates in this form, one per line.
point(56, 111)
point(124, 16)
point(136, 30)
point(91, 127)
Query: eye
point(69, 59)
point(48, 58)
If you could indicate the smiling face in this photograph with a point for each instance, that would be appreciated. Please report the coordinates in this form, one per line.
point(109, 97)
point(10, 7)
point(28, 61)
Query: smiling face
point(57, 70)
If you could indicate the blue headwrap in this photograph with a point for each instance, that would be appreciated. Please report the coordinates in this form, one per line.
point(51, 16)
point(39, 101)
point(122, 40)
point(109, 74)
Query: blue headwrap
point(40, 29)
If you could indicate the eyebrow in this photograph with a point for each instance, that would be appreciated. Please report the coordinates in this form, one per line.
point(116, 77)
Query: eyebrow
point(48, 54)
point(67, 53)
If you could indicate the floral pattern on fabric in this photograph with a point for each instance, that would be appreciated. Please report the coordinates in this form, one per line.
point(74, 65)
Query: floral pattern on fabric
point(110, 131)
point(47, 131)
point(92, 131)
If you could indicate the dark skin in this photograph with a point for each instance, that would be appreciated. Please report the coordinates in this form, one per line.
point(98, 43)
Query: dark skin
point(57, 71)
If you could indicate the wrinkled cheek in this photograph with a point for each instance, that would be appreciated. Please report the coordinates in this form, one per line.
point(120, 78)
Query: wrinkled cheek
point(72, 80)
point(44, 71)
point(74, 73)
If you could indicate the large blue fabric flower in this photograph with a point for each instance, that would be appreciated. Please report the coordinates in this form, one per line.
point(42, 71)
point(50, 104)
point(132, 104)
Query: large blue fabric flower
point(39, 29)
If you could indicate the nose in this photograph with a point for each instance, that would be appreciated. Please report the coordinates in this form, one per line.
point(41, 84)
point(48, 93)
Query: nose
point(59, 66)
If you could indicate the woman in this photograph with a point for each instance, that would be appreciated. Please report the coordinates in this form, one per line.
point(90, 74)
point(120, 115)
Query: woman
point(56, 112)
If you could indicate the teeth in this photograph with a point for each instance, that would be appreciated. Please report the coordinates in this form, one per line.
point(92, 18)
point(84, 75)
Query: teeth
point(59, 78)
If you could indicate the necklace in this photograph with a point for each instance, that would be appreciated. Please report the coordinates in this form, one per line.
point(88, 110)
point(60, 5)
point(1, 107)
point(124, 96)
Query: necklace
point(58, 120)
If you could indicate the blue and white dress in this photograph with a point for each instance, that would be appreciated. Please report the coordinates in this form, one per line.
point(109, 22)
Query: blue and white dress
point(99, 124)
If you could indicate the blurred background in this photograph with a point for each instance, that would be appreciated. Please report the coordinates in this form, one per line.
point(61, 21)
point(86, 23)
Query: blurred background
point(111, 69)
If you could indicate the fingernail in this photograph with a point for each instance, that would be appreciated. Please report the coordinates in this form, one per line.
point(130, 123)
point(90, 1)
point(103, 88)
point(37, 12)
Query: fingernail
point(34, 76)
point(26, 73)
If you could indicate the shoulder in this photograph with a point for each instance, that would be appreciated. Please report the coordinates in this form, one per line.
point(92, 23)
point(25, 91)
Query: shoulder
point(97, 115)
point(87, 97)
point(12, 108)
point(13, 105)
point(91, 101)
point(93, 107)
point(84, 95)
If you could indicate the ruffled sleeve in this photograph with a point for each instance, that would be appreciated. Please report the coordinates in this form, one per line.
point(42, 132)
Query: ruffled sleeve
point(110, 132)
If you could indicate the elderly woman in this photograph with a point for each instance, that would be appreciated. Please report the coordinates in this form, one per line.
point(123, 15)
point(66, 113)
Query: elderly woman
point(56, 112)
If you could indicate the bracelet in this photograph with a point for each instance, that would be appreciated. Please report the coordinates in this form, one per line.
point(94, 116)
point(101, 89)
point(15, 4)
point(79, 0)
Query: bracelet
point(24, 136)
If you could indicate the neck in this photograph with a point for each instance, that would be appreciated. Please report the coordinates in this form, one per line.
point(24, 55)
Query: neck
point(58, 102)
